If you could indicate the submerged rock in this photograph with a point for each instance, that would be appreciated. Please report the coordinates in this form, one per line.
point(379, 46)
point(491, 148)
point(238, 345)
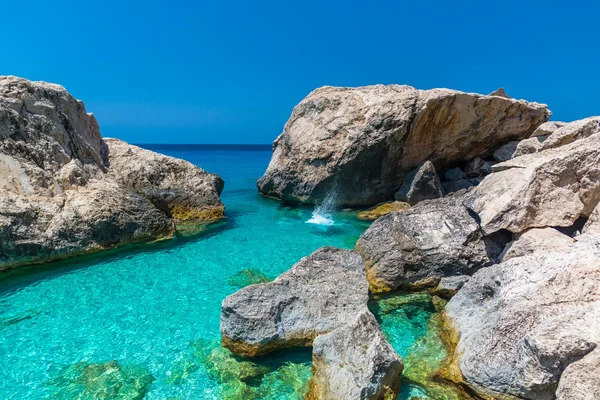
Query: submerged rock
point(382, 209)
point(414, 249)
point(247, 277)
point(318, 294)
point(110, 380)
point(525, 325)
point(421, 184)
point(550, 188)
point(355, 361)
point(341, 139)
point(64, 191)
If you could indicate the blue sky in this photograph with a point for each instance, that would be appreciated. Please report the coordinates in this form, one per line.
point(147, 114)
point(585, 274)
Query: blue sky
point(231, 71)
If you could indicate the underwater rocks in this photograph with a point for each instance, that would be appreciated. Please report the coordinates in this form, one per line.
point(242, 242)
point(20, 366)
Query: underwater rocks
point(64, 191)
point(527, 326)
point(550, 188)
point(360, 143)
point(416, 248)
point(381, 210)
point(318, 294)
point(355, 361)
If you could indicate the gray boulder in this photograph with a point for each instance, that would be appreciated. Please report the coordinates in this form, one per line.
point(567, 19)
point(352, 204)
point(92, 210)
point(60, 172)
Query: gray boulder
point(317, 295)
point(525, 324)
point(416, 248)
point(421, 184)
point(592, 225)
point(499, 92)
point(476, 167)
point(519, 148)
point(450, 285)
point(506, 152)
point(536, 240)
point(454, 174)
point(550, 188)
point(60, 191)
point(571, 132)
point(547, 128)
point(360, 143)
point(580, 380)
point(455, 186)
point(355, 361)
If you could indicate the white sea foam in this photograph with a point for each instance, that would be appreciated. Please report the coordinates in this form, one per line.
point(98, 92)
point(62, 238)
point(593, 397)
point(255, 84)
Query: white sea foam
point(323, 213)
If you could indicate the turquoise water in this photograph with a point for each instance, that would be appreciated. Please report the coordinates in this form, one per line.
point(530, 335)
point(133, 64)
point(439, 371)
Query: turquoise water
point(145, 321)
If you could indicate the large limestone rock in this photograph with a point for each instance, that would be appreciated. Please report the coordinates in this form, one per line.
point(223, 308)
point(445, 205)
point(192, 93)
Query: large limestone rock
point(536, 240)
point(571, 132)
point(177, 187)
point(547, 128)
point(61, 188)
point(592, 225)
point(414, 249)
point(581, 379)
point(421, 184)
point(317, 295)
point(527, 326)
point(359, 143)
point(355, 361)
point(550, 188)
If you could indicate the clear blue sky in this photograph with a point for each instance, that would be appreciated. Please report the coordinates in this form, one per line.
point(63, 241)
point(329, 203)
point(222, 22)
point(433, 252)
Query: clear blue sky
point(231, 71)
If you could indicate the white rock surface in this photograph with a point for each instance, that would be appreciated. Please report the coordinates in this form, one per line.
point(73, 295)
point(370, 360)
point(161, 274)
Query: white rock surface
point(536, 240)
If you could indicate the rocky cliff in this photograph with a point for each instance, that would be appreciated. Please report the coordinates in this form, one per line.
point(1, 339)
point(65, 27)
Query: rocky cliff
point(64, 190)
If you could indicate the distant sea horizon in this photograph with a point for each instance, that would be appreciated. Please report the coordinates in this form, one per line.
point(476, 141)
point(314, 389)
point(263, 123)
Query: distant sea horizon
point(204, 146)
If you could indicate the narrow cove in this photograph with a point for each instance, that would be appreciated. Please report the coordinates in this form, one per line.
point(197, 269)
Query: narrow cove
point(154, 332)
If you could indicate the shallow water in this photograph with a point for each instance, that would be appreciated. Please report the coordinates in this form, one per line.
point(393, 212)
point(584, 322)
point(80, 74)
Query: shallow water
point(155, 309)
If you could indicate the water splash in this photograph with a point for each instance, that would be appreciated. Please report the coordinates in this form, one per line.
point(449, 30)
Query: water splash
point(323, 213)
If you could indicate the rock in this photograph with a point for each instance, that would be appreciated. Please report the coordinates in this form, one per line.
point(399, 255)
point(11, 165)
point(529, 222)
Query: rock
point(571, 132)
point(247, 277)
point(580, 381)
point(451, 187)
point(421, 184)
point(454, 174)
point(500, 92)
point(547, 128)
point(414, 249)
point(63, 191)
point(381, 210)
point(549, 188)
point(341, 139)
point(536, 240)
point(521, 323)
point(450, 285)
point(592, 225)
point(177, 187)
point(355, 361)
point(473, 168)
point(506, 152)
point(318, 294)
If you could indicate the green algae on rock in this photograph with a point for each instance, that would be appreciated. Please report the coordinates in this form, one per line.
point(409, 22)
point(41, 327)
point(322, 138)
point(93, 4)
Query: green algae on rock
point(382, 209)
point(247, 277)
point(109, 380)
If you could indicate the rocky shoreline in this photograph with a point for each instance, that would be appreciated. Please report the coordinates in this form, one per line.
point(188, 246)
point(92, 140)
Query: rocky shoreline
point(509, 233)
point(67, 191)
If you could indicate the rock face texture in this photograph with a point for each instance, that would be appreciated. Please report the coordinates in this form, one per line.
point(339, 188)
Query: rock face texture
point(355, 361)
point(414, 249)
point(60, 193)
point(571, 132)
point(317, 295)
point(360, 143)
point(528, 326)
point(536, 240)
point(549, 188)
point(421, 184)
point(547, 128)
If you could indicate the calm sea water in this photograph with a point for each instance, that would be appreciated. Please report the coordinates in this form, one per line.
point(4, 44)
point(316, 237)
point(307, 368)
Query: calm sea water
point(145, 321)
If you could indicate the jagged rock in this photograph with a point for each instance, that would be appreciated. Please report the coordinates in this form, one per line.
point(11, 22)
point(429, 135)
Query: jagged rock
point(580, 380)
point(360, 143)
point(547, 128)
point(520, 148)
point(536, 240)
point(455, 186)
point(454, 174)
point(318, 294)
point(571, 132)
point(499, 92)
point(355, 361)
point(58, 192)
point(381, 210)
point(473, 167)
point(421, 184)
point(506, 152)
point(414, 249)
point(184, 191)
point(592, 225)
point(450, 285)
point(549, 188)
point(521, 323)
